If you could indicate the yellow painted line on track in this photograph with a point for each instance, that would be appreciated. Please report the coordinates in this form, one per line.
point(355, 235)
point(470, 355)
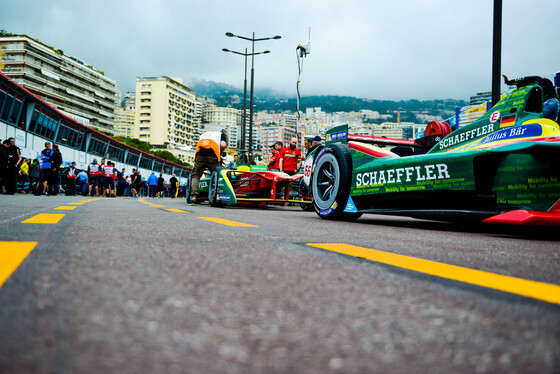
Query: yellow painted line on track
point(12, 255)
point(176, 210)
point(48, 218)
point(227, 222)
point(65, 208)
point(157, 206)
point(76, 203)
point(547, 292)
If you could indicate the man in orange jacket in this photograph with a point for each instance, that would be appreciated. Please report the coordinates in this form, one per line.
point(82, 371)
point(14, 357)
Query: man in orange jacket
point(208, 155)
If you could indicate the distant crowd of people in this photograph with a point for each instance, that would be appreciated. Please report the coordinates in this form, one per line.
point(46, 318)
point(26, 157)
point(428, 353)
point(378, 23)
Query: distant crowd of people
point(45, 176)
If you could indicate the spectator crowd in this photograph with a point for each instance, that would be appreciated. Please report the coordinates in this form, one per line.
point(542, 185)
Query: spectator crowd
point(45, 175)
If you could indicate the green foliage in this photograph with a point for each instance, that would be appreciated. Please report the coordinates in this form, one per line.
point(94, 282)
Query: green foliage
point(166, 155)
point(139, 144)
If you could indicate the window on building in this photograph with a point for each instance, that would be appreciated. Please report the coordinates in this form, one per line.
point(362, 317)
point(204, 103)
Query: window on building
point(70, 135)
point(43, 124)
point(146, 163)
point(97, 146)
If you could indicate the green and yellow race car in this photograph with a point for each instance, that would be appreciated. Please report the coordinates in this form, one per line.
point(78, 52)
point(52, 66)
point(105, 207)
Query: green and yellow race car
point(502, 168)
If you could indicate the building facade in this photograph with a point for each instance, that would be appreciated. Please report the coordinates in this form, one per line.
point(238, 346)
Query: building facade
point(165, 111)
point(76, 89)
point(124, 123)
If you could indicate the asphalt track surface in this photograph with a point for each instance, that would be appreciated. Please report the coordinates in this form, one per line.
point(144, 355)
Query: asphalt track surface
point(122, 285)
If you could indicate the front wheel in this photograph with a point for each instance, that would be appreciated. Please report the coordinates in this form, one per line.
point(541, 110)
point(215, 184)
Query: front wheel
point(330, 184)
point(213, 189)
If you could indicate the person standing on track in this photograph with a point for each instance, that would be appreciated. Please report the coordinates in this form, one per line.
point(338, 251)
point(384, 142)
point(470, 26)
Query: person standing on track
point(71, 179)
point(160, 182)
point(93, 176)
point(45, 175)
point(173, 186)
point(290, 158)
point(208, 155)
point(152, 185)
point(14, 160)
point(108, 172)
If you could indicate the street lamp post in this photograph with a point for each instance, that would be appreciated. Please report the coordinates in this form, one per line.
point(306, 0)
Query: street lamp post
point(244, 120)
point(252, 54)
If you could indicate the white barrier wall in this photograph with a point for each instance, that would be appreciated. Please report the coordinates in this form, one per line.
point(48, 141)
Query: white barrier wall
point(31, 145)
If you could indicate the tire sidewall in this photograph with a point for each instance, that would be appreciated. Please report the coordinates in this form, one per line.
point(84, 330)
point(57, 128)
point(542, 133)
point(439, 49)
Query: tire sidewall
point(339, 156)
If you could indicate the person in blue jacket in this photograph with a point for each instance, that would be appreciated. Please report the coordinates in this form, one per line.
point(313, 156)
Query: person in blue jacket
point(152, 184)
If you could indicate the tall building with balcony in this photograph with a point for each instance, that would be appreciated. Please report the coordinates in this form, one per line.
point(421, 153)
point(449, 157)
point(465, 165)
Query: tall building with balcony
point(165, 115)
point(66, 83)
point(130, 101)
point(124, 123)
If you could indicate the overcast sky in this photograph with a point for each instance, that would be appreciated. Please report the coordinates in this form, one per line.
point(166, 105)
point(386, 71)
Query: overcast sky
point(399, 49)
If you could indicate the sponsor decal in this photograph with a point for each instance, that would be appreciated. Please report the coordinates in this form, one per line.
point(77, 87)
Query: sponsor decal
point(328, 212)
point(508, 120)
point(224, 197)
point(466, 135)
point(307, 169)
point(495, 116)
point(405, 174)
point(337, 136)
point(350, 207)
point(514, 133)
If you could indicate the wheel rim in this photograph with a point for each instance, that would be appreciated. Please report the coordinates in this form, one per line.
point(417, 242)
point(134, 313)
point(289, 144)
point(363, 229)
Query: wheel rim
point(326, 181)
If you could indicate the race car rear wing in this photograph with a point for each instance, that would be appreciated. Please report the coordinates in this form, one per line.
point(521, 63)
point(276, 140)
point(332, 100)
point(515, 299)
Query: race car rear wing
point(340, 134)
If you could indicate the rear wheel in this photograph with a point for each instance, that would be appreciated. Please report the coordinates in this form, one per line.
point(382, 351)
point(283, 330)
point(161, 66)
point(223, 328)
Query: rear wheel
point(213, 189)
point(330, 183)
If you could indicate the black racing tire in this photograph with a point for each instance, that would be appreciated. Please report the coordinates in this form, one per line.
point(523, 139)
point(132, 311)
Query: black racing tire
point(213, 189)
point(330, 183)
point(188, 189)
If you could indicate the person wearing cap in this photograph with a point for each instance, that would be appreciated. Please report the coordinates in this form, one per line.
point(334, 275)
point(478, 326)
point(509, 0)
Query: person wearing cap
point(46, 165)
point(316, 142)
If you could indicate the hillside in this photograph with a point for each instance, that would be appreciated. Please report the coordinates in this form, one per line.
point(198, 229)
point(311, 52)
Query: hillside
point(226, 95)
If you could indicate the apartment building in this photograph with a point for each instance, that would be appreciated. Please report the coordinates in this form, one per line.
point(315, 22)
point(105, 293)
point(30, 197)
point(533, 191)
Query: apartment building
point(216, 115)
point(66, 83)
point(165, 110)
point(124, 123)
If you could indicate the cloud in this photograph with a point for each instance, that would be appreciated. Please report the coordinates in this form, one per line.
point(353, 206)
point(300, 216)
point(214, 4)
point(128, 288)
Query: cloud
point(374, 49)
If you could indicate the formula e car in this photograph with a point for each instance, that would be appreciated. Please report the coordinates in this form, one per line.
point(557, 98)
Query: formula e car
point(249, 185)
point(502, 168)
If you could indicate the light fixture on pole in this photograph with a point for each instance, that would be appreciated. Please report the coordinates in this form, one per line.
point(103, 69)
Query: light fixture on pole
point(252, 54)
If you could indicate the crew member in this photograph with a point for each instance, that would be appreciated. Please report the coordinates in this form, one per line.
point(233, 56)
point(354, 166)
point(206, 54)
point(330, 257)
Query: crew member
point(93, 176)
point(108, 172)
point(274, 161)
point(14, 159)
point(71, 179)
point(56, 162)
point(208, 155)
point(290, 158)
